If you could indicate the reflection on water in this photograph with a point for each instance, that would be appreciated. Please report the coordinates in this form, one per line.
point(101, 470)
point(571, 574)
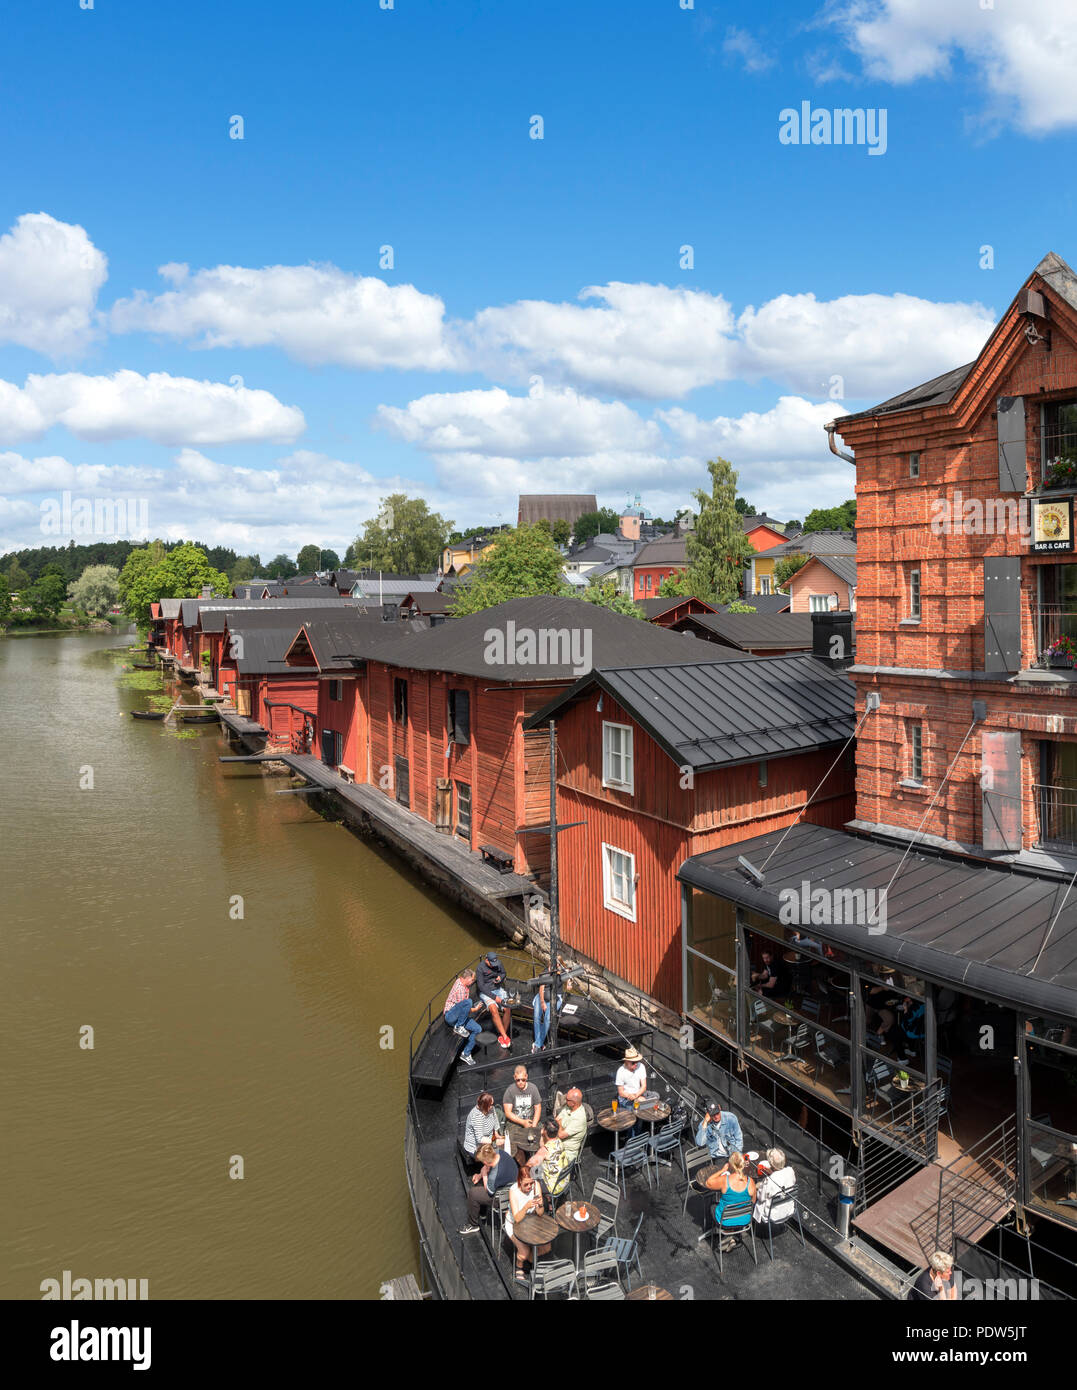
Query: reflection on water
point(214, 1035)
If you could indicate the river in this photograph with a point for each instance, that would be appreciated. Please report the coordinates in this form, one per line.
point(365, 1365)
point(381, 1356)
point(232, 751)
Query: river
point(213, 1036)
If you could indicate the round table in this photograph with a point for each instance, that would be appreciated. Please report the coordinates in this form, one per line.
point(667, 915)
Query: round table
point(566, 1219)
point(650, 1293)
point(535, 1230)
point(529, 1140)
point(617, 1124)
point(660, 1110)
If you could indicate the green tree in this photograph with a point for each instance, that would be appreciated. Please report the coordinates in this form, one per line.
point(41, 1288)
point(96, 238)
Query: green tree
point(96, 590)
point(280, 567)
point(149, 576)
point(5, 600)
point(46, 596)
point(677, 586)
point(243, 570)
point(737, 607)
point(406, 537)
point(786, 567)
point(717, 547)
point(841, 518)
point(17, 578)
point(792, 527)
point(523, 563)
point(330, 560)
point(562, 531)
point(309, 559)
point(607, 595)
point(591, 523)
point(744, 507)
point(137, 584)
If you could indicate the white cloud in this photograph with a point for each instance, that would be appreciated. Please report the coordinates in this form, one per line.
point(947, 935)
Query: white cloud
point(790, 433)
point(739, 43)
point(159, 407)
point(493, 422)
point(1024, 53)
point(876, 343)
point(50, 275)
point(645, 340)
point(315, 313)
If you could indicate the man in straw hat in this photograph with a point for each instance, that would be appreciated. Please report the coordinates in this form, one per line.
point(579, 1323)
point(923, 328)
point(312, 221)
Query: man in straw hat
point(631, 1081)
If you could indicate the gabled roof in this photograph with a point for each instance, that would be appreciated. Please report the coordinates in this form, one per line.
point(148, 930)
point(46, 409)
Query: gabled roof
point(339, 640)
point(393, 584)
point(591, 554)
point(554, 506)
point(720, 713)
point(670, 550)
point(758, 631)
point(192, 609)
point(262, 647)
point(751, 523)
point(170, 607)
point(978, 927)
point(655, 607)
point(471, 646)
point(840, 565)
point(762, 603)
point(813, 543)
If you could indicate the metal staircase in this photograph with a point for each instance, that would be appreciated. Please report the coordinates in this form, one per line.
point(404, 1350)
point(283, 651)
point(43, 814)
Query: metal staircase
point(976, 1191)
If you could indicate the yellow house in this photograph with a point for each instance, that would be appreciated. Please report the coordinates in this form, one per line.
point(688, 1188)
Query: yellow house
point(460, 557)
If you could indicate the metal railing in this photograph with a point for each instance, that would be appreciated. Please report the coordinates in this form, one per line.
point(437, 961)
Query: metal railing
point(1049, 622)
point(976, 1190)
point(1057, 810)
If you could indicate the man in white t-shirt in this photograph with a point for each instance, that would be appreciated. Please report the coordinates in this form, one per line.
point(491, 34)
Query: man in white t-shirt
point(631, 1081)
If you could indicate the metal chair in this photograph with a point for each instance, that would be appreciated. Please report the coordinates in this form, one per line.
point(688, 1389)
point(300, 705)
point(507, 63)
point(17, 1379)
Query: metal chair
point(627, 1251)
point(554, 1276)
point(635, 1154)
point(759, 1021)
point(606, 1196)
point(795, 1044)
point(693, 1159)
point(779, 1199)
point(498, 1208)
point(827, 1055)
point(810, 1009)
point(668, 1138)
point(608, 1293)
point(722, 1228)
point(600, 1263)
point(878, 1077)
point(943, 1105)
point(690, 1101)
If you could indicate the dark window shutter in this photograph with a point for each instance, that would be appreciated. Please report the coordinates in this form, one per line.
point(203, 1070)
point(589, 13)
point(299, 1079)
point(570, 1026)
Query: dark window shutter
point(1012, 448)
point(1002, 613)
point(462, 717)
point(1000, 759)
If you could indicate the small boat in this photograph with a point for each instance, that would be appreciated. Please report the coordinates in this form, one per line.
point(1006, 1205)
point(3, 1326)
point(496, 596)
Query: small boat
point(198, 718)
point(143, 666)
point(148, 713)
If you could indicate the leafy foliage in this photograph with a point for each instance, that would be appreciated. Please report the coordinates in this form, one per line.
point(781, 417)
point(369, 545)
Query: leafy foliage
point(309, 559)
point(591, 523)
point(717, 547)
point(562, 531)
point(5, 600)
point(96, 590)
point(72, 559)
point(841, 518)
point(786, 567)
point(523, 563)
point(280, 567)
point(406, 537)
point(180, 573)
point(738, 607)
point(607, 595)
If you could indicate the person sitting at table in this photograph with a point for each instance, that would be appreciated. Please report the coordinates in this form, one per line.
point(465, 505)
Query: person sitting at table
point(719, 1131)
point(542, 1018)
point(769, 1203)
point(524, 1200)
point(937, 1281)
point(880, 1007)
point(911, 1022)
point(572, 1122)
point(499, 1169)
point(772, 979)
point(458, 1013)
point(522, 1104)
point(631, 1082)
point(480, 1127)
point(731, 1184)
point(492, 992)
point(551, 1162)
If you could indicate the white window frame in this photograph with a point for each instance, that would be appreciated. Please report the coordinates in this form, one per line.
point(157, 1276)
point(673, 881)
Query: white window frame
point(623, 909)
point(818, 603)
point(916, 598)
point(764, 583)
point(626, 755)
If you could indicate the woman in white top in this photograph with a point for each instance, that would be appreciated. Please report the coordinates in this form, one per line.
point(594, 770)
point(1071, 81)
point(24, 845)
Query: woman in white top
point(770, 1205)
point(524, 1198)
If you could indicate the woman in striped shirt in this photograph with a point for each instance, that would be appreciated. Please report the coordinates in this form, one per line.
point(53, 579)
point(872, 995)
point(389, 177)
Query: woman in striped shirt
point(480, 1127)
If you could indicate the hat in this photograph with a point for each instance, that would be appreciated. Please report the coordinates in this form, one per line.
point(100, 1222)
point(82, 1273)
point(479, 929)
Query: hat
point(493, 957)
point(631, 1055)
point(712, 1107)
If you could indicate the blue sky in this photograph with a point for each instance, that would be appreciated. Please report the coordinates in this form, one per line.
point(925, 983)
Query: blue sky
point(537, 330)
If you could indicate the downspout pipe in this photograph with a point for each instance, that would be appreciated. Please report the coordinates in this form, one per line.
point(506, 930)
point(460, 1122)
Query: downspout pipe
point(839, 453)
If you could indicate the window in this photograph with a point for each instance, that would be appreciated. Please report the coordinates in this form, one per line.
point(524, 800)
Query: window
point(764, 584)
point(819, 603)
point(336, 690)
point(617, 756)
point(400, 701)
point(463, 810)
point(914, 465)
point(914, 594)
point(763, 774)
point(916, 752)
point(459, 716)
point(619, 881)
point(648, 583)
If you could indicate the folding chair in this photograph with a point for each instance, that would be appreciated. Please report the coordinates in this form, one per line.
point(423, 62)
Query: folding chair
point(626, 1251)
point(694, 1159)
point(668, 1138)
point(600, 1264)
point(606, 1196)
point(554, 1276)
point(735, 1211)
point(635, 1154)
point(781, 1199)
point(609, 1293)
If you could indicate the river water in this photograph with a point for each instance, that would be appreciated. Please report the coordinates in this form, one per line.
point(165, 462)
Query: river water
point(213, 1037)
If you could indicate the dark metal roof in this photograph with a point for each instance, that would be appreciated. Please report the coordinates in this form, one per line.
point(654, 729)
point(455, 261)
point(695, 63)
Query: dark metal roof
point(758, 631)
point(940, 390)
point(750, 523)
point(263, 647)
point(468, 646)
point(670, 550)
point(210, 614)
point(974, 926)
point(655, 607)
point(841, 565)
point(720, 713)
point(338, 639)
point(762, 603)
point(814, 543)
point(554, 506)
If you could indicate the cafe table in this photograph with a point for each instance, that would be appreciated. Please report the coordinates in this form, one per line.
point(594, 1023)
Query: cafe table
point(528, 1139)
point(650, 1293)
point(565, 1217)
point(660, 1110)
point(617, 1123)
point(535, 1230)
